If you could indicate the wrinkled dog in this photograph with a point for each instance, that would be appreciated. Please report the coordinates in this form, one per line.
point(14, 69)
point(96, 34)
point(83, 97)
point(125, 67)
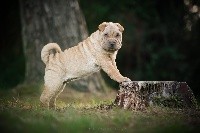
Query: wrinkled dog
point(96, 52)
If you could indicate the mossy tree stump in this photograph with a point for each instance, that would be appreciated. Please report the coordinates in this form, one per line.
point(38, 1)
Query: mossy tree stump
point(137, 95)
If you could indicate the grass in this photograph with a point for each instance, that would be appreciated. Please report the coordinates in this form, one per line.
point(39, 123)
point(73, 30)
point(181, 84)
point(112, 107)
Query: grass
point(20, 111)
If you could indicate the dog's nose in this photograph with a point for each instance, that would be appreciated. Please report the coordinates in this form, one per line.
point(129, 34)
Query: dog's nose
point(112, 44)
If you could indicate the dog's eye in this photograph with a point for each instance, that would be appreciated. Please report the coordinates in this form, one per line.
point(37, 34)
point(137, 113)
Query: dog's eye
point(106, 34)
point(117, 35)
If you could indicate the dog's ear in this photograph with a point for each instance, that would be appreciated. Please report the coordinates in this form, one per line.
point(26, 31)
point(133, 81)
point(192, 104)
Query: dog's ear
point(121, 28)
point(102, 26)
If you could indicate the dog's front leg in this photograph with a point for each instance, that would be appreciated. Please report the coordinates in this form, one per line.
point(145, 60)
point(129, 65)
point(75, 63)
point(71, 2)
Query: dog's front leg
point(114, 73)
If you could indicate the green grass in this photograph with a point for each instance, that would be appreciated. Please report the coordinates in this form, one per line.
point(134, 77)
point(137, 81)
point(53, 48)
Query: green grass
point(20, 111)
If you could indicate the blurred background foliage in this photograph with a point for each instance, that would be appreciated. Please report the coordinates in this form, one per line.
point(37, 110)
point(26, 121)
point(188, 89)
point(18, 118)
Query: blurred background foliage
point(157, 44)
point(160, 41)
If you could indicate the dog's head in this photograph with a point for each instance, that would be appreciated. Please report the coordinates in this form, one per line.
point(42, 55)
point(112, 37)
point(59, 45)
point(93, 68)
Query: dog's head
point(111, 36)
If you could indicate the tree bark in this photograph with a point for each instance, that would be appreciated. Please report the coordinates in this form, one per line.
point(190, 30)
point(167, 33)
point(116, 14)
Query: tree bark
point(45, 21)
point(137, 95)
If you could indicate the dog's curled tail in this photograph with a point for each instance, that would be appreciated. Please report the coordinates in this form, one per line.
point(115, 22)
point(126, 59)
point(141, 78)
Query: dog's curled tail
point(46, 50)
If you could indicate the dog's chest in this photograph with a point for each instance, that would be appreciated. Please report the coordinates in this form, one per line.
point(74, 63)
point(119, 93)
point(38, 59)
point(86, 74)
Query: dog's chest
point(90, 66)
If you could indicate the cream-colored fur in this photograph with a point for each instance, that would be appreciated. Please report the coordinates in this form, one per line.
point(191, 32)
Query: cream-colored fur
point(96, 52)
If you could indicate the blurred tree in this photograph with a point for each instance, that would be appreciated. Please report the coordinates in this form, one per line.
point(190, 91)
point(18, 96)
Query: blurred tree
point(45, 21)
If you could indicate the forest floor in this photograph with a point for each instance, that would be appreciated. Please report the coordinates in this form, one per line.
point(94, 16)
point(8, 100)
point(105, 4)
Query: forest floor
point(20, 111)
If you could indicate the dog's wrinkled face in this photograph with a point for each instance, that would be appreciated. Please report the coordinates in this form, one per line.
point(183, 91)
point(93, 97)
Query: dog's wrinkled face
point(111, 36)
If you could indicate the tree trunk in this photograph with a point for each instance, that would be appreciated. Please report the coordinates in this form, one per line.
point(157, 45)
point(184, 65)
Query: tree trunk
point(137, 95)
point(45, 21)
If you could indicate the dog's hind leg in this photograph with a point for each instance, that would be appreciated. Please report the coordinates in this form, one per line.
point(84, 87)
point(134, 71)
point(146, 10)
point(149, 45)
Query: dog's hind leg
point(46, 96)
point(53, 84)
point(52, 103)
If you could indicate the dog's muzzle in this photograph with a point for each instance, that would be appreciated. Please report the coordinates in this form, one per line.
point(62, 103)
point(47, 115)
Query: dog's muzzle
point(112, 45)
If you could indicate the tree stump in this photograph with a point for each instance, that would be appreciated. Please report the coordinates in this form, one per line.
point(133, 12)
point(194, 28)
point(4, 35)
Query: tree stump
point(137, 95)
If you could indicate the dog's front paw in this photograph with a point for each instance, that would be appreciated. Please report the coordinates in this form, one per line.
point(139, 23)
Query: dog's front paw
point(125, 80)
